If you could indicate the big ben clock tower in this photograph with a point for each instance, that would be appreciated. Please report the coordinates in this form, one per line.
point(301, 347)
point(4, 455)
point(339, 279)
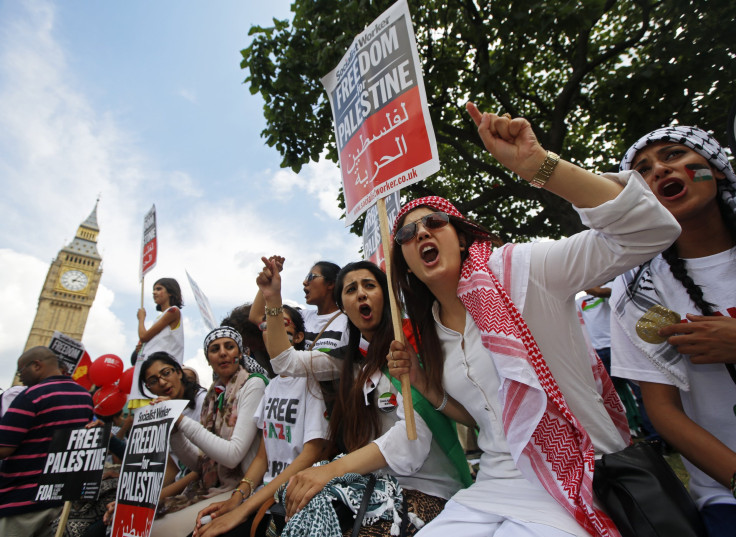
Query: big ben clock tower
point(70, 287)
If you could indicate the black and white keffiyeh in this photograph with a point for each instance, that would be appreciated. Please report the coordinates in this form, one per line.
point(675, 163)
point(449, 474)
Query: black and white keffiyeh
point(223, 331)
point(699, 141)
point(639, 297)
point(318, 517)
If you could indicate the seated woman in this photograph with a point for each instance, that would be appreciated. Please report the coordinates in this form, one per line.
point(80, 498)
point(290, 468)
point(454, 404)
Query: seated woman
point(499, 335)
point(162, 375)
point(292, 418)
point(688, 392)
point(367, 420)
point(220, 446)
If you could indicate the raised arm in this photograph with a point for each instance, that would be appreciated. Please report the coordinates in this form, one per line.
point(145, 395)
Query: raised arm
point(256, 309)
point(269, 285)
point(513, 143)
point(172, 316)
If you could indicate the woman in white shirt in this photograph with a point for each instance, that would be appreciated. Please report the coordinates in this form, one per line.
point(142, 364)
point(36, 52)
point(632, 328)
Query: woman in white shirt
point(367, 420)
point(499, 336)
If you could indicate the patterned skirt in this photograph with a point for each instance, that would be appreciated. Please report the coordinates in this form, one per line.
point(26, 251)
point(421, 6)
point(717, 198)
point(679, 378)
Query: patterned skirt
point(424, 506)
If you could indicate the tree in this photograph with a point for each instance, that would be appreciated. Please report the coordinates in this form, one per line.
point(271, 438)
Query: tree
point(591, 76)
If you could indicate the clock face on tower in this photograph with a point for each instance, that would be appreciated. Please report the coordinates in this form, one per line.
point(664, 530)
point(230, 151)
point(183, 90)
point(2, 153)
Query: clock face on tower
point(74, 280)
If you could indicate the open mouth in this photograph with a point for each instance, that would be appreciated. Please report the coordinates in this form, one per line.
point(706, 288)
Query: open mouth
point(671, 188)
point(365, 311)
point(429, 253)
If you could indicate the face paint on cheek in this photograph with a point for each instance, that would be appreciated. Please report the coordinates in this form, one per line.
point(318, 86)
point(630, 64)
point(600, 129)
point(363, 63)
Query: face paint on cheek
point(698, 172)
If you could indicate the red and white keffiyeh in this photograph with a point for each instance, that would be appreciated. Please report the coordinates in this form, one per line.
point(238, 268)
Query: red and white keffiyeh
point(559, 450)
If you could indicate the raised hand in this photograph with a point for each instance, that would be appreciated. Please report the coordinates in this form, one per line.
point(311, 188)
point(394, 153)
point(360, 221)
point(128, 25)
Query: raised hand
point(511, 141)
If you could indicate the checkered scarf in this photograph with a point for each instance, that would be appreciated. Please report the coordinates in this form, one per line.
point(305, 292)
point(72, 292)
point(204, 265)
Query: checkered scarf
point(223, 331)
point(699, 141)
point(559, 450)
point(319, 519)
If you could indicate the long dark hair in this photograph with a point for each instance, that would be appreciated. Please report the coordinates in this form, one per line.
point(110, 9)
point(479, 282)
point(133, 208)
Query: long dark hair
point(191, 389)
point(418, 299)
point(353, 424)
point(679, 270)
point(172, 286)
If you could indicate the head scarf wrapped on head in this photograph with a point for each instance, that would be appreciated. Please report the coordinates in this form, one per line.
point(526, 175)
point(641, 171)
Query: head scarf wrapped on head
point(540, 427)
point(699, 141)
point(642, 302)
point(226, 331)
point(440, 204)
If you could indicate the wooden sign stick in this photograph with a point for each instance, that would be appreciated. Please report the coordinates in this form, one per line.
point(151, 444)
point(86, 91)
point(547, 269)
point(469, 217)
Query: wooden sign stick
point(63, 518)
point(142, 290)
point(411, 430)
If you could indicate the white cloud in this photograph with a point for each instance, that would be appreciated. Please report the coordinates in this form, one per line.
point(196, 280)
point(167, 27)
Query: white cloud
point(104, 332)
point(58, 151)
point(188, 95)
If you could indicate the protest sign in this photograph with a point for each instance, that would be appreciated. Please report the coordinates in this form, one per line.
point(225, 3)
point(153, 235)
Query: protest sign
point(74, 465)
point(149, 246)
point(142, 474)
point(372, 250)
point(73, 359)
point(203, 304)
point(383, 130)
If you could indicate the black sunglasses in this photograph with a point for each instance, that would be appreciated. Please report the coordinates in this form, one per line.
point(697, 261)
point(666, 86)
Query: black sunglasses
point(429, 221)
point(311, 276)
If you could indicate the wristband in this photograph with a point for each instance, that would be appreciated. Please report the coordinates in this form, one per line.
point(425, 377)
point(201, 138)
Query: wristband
point(443, 404)
point(273, 312)
point(241, 493)
point(545, 170)
point(251, 485)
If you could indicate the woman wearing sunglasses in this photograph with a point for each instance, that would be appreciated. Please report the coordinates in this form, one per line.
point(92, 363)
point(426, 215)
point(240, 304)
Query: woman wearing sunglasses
point(499, 337)
point(325, 329)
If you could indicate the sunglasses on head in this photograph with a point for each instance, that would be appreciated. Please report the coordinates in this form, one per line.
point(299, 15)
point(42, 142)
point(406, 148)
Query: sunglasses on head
point(312, 276)
point(429, 221)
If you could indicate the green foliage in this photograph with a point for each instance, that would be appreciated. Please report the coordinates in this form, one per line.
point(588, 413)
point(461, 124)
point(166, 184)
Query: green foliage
point(591, 76)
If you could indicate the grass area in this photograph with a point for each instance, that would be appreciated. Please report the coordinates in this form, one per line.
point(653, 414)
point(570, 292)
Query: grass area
point(675, 461)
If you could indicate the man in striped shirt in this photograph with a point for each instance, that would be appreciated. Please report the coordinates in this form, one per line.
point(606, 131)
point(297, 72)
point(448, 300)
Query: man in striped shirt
point(52, 401)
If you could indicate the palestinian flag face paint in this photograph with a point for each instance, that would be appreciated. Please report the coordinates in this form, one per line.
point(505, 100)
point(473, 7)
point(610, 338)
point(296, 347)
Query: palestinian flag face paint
point(698, 172)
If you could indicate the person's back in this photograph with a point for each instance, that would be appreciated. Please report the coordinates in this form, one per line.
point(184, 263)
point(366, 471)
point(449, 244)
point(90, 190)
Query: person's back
point(51, 402)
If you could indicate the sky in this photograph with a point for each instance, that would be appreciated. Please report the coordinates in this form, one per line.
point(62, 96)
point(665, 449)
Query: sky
point(143, 103)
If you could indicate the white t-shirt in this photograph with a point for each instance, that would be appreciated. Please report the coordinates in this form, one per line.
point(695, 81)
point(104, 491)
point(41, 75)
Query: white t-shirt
point(417, 464)
point(596, 314)
point(291, 413)
point(711, 400)
point(335, 335)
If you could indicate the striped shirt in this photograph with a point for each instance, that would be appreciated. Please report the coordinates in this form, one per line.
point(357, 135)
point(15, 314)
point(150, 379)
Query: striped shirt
point(28, 425)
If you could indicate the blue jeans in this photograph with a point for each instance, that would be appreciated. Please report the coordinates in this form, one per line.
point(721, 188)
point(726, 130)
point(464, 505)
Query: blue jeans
point(720, 519)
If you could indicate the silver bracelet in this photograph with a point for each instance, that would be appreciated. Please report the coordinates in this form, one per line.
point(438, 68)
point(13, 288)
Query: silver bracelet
point(443, 404)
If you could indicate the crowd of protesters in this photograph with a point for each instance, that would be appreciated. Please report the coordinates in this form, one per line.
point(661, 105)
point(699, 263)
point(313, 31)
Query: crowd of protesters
point(304, 416)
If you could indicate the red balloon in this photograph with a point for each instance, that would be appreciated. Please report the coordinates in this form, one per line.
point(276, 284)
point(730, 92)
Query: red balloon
point(106, 370)
point(126, 381)
point(109, 400)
